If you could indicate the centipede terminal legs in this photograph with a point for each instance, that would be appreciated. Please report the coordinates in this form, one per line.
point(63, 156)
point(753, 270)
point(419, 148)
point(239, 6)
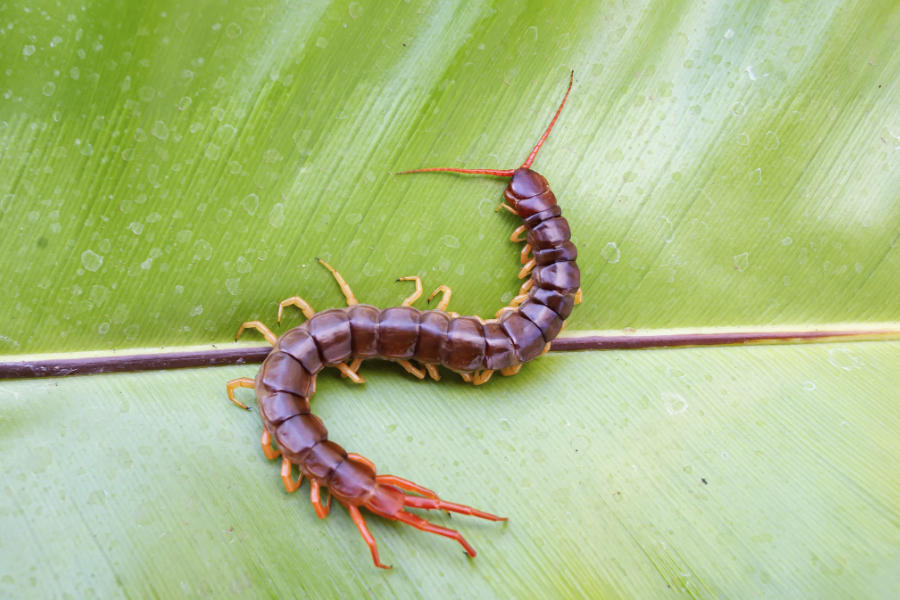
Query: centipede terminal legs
point(407, 485)
point(366, 534)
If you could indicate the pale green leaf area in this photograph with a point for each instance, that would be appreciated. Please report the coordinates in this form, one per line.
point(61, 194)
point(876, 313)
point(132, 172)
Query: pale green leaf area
point(168, 170)
point(719, 472)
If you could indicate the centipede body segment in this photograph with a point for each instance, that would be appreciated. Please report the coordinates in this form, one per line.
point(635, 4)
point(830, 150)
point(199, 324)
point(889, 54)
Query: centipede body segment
point(473, 347)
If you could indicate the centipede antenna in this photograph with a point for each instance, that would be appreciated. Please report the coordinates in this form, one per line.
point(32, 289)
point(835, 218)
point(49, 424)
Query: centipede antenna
point(505, 172)
point(527, 163)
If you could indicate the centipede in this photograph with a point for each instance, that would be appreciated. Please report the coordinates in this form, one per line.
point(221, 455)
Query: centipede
point(470, 346)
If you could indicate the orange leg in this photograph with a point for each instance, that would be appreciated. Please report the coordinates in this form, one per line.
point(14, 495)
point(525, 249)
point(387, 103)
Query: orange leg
point(509, 371)
point(289, 484)
point(314, 496)
point(483, 376)
point(345, 289)
point(257, 325)
point(354, 366)
point(524, 271)
point(300, 303)
point(405, 484)
point(579, 296)
point(507, 207)
point(242, 382)
point(348, 372)
point(411, 369)
point(432, 370)
point(367, 535)
point(515, 234)
point(467, 377)
point(423, 525)
point(438, 504)
point(415, 295)
point(445, 297)
point(505, 309)
point(266, 442)
point(523, 255)
point(526, 287)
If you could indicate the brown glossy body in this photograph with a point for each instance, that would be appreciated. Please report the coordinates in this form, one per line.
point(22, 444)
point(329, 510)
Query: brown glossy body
point(287, 378)
point(359, 332)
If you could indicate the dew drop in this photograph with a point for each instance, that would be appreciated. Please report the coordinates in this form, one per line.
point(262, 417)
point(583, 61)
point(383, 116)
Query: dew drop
point(844, 359)
point(302, 141)
point(250, 204)
point(233, 286)
point(674, 403)
point(160, 130)
point(225, 133)
point(356, 11)
point(610, 253)
point(91, 260)
point(202, 250)
point(276, 216)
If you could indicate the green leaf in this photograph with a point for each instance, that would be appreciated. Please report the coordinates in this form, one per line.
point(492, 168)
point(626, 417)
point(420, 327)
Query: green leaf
point(715, 472)
point(170, 171)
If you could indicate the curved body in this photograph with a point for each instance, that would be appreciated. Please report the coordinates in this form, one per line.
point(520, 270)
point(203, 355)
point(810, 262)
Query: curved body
point(287, 378)
point(466, 345)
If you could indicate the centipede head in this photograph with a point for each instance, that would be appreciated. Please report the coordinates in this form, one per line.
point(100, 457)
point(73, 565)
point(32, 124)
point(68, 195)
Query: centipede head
point(526, 183)
point(523, 178)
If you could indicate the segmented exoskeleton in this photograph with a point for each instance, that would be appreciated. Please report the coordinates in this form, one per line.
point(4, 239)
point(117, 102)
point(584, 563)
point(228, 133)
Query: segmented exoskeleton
point(470, 346)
